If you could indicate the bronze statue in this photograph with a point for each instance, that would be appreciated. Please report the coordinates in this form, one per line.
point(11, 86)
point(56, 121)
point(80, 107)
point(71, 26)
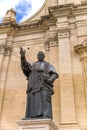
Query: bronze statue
point(41, 76)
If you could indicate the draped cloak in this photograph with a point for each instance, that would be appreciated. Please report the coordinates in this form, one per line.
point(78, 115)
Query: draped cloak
point(39, 91)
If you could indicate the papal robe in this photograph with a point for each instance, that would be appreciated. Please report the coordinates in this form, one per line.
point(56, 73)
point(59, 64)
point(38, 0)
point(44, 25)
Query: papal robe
point(39, 90)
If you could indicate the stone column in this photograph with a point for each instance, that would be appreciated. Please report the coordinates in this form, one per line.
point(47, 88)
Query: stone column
point(68, 117)
point(66, 83)
point(39, 124)
point(3, 73)
point(7, 30)
point(3, 40)
point(54, 60)
point(1, 62)
point(82, 51)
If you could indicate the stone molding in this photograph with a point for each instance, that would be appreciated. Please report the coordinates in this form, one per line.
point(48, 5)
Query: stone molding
point(9, 24)
point(63, 32)
point(46, 20)
point(38, 124)
point(6, 49)
point(82, 50)
point(47, 46)
point(51, 42)
point(69, 126)
point(68, 10)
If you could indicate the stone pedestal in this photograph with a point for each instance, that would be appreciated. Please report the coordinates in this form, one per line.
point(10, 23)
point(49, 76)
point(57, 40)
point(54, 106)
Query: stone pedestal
point(38, 124)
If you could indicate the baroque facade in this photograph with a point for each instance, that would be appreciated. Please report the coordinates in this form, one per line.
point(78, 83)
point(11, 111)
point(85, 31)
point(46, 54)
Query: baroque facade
point(59, 29)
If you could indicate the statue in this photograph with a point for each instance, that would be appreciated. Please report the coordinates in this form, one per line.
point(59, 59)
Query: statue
point(41, 76)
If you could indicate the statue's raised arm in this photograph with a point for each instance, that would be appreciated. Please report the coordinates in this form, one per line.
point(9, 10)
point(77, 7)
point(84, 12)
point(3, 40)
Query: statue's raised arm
point(26, 66)
point(22, 52)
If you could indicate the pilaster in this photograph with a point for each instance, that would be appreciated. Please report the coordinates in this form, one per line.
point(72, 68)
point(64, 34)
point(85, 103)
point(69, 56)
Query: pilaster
point(81, 49)
point(7, 31)
point(68, 115)
point(5, 54)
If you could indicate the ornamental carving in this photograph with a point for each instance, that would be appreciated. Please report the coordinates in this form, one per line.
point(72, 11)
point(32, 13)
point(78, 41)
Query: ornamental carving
point(82, 50)
point(51, 42)
point(47, 46)
point(63, 32)
point(6, 49)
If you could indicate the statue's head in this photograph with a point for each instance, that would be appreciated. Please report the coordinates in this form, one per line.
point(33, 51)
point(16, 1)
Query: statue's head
point(40, 55)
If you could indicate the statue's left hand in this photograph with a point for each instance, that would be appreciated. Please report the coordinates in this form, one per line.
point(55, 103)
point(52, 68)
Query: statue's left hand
point(48, 81)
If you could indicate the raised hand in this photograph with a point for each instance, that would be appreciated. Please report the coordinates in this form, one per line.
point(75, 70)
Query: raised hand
point(22, 52)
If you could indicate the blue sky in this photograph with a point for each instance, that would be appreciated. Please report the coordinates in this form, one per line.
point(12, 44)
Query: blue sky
point(24, 8)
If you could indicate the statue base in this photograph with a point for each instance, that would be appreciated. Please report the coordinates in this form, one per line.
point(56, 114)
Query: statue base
point(38, 124)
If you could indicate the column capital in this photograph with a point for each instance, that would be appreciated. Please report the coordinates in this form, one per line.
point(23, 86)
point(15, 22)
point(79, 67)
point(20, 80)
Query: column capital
point(6, 49)
point(1, 49)
point(50, 42)
point(82, 50)
point(63, 32)
point(53, 40)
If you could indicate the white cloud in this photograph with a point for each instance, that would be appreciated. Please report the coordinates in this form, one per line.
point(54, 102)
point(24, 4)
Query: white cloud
point(35, 6)
point(8, 4)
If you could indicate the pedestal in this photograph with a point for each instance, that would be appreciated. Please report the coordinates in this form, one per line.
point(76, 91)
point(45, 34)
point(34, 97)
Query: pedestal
point(38, 124)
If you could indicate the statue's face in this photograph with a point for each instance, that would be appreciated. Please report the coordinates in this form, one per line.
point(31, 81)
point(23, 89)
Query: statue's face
point(40, 56)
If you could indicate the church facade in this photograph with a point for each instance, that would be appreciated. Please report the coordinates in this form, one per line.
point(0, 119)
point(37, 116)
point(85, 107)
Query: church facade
point(59, 29)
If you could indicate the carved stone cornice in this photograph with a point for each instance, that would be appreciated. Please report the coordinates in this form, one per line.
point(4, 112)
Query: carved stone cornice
point(51, 42)
point(41, 24)
point(64, 10)
point(82, 50)
point(6, 49)
point(9, 24)
point(63, 32)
